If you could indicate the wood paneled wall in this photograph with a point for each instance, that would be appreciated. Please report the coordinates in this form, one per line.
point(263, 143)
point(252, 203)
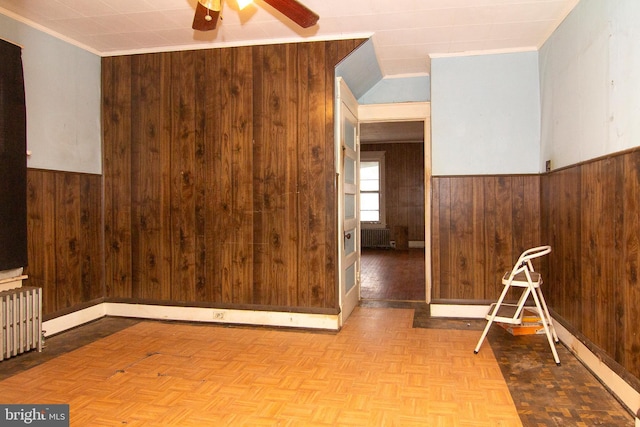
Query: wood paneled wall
point(591, 217)
point(589, 214)
point(64, 222)
point(404, 188)
point(480, 225)
point(219, 176)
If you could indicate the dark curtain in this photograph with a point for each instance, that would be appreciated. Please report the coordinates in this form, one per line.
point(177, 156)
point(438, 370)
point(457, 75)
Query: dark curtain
point(13, 159)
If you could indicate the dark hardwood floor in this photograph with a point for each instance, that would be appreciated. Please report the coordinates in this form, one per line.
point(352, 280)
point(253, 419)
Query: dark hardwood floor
point(392, 275)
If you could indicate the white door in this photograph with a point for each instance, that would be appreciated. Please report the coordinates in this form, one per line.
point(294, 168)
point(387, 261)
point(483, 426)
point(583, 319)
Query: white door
point(348, 155)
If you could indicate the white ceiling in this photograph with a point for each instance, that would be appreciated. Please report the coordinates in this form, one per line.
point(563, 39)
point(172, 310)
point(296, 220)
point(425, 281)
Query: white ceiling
point(406, 33)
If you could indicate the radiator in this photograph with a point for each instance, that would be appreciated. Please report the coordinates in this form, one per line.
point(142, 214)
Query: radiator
point(375, 238)
point(21, 311)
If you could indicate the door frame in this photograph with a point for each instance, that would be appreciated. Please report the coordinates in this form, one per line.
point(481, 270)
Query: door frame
point(410, 111)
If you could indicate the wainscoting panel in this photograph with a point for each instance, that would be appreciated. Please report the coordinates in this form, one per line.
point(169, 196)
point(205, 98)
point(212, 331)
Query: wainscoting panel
point(64, 217)
point(480, 225)
point(592, 219)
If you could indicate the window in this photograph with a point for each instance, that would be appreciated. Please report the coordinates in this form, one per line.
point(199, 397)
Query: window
point(13, 158)
point(372, 188)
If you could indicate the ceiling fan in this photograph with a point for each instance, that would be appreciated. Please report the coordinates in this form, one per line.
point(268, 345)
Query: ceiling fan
point(208, 13)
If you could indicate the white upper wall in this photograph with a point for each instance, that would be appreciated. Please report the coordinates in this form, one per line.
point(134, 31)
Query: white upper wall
point(590, 89)
point(62, 91)
point(361, 71)
point(578, 99)
point(398, 89)
point(485, 114)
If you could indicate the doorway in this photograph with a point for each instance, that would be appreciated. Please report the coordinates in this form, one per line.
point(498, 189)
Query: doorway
point(349, 279)
point(393, 252)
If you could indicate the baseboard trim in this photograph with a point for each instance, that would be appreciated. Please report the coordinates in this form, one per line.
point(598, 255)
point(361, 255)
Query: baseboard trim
point(71, 320)
point(232, 316)
point(616, 384)
point(192, 314)
point(465, 311)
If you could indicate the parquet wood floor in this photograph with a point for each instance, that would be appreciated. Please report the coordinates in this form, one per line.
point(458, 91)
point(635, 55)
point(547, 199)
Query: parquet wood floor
point(377, 371)
point(544, 394)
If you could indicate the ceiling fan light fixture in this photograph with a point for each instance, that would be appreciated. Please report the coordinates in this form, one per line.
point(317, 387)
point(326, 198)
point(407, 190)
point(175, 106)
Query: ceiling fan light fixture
point(243, 3)
point(212, 4)
point(208, 13)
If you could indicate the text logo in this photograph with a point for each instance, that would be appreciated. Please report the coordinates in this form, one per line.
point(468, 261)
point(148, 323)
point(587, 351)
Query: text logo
point(34, 415)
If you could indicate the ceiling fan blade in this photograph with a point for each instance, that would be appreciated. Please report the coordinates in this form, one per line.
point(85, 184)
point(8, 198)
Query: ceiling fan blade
point(295, 11)
point(205, 19)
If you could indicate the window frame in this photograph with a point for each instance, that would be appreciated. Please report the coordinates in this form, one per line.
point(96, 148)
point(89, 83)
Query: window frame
point(375, 156)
